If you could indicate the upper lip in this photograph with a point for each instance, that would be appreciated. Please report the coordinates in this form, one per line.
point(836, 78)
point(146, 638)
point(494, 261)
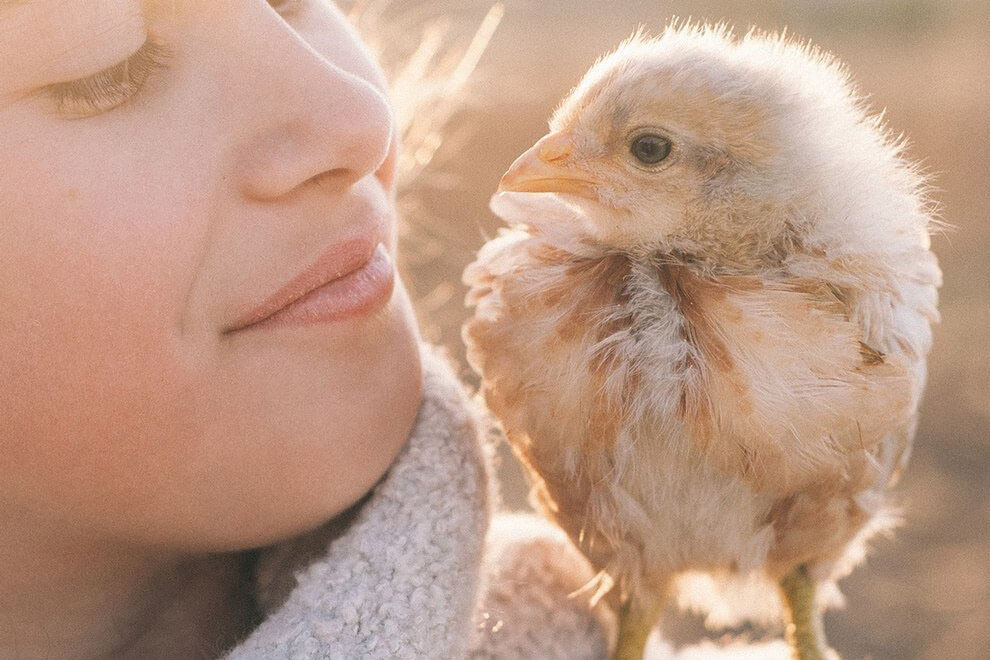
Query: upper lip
point(339, 259)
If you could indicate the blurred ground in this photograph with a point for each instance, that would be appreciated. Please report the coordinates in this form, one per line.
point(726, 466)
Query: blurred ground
point(926, 593)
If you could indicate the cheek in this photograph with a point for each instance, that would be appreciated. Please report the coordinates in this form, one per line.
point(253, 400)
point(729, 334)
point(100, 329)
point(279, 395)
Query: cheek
point(92, 283)
point(90, 269)
point(647, 209)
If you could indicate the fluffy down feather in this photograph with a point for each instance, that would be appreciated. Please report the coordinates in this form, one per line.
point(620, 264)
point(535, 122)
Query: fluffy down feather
point(712, 363)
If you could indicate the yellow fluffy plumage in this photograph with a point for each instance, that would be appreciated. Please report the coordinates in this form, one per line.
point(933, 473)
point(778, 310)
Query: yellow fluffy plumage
point(705, 332)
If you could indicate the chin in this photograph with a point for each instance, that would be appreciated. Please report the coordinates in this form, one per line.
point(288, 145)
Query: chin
point(307, 426)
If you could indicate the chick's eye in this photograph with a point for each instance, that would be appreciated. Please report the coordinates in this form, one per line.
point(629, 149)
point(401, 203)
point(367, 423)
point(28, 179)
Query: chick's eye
point(110, 88)
point(650, 149)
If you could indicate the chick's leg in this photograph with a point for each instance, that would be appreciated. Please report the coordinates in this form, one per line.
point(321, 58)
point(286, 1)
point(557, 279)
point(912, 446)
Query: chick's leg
point(805, 633)
point(636, 620)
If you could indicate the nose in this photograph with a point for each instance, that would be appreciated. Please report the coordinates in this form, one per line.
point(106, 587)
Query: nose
point(311, 120)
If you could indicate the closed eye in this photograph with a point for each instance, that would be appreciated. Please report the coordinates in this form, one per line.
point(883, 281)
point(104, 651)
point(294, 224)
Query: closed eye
point(115, 86)
point(111, 87)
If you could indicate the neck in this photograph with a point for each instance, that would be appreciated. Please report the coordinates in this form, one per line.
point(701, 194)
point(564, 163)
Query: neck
point(94, 600)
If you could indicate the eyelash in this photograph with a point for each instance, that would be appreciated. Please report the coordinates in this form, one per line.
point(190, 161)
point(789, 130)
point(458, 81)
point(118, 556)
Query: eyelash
point(115, 86)
point(111, 87)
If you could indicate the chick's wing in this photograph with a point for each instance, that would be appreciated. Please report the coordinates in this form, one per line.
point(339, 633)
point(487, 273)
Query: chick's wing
point(781, 389)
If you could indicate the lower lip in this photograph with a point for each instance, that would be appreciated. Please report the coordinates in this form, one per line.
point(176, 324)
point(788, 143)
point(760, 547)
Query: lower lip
point(352, 296)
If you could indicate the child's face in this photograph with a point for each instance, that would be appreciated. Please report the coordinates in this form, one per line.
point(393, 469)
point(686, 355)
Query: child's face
point(143, 213)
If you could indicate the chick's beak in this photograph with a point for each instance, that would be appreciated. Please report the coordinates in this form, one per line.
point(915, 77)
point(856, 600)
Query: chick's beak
point(543, 169)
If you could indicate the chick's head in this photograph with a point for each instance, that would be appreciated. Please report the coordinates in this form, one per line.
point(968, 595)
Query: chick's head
point(728, 151)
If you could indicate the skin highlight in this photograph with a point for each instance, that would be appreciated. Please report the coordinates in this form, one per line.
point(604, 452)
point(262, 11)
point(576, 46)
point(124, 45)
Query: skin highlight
point(144, 445)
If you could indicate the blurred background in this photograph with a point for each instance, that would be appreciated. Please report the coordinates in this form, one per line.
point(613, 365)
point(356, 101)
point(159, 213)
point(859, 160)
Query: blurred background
point(486, 81)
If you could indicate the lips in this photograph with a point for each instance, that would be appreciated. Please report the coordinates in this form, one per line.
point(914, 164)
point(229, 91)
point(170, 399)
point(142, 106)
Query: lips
point(352, 276)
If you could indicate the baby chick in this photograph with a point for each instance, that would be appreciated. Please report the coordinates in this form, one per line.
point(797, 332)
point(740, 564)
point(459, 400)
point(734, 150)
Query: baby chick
point(705, 333)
